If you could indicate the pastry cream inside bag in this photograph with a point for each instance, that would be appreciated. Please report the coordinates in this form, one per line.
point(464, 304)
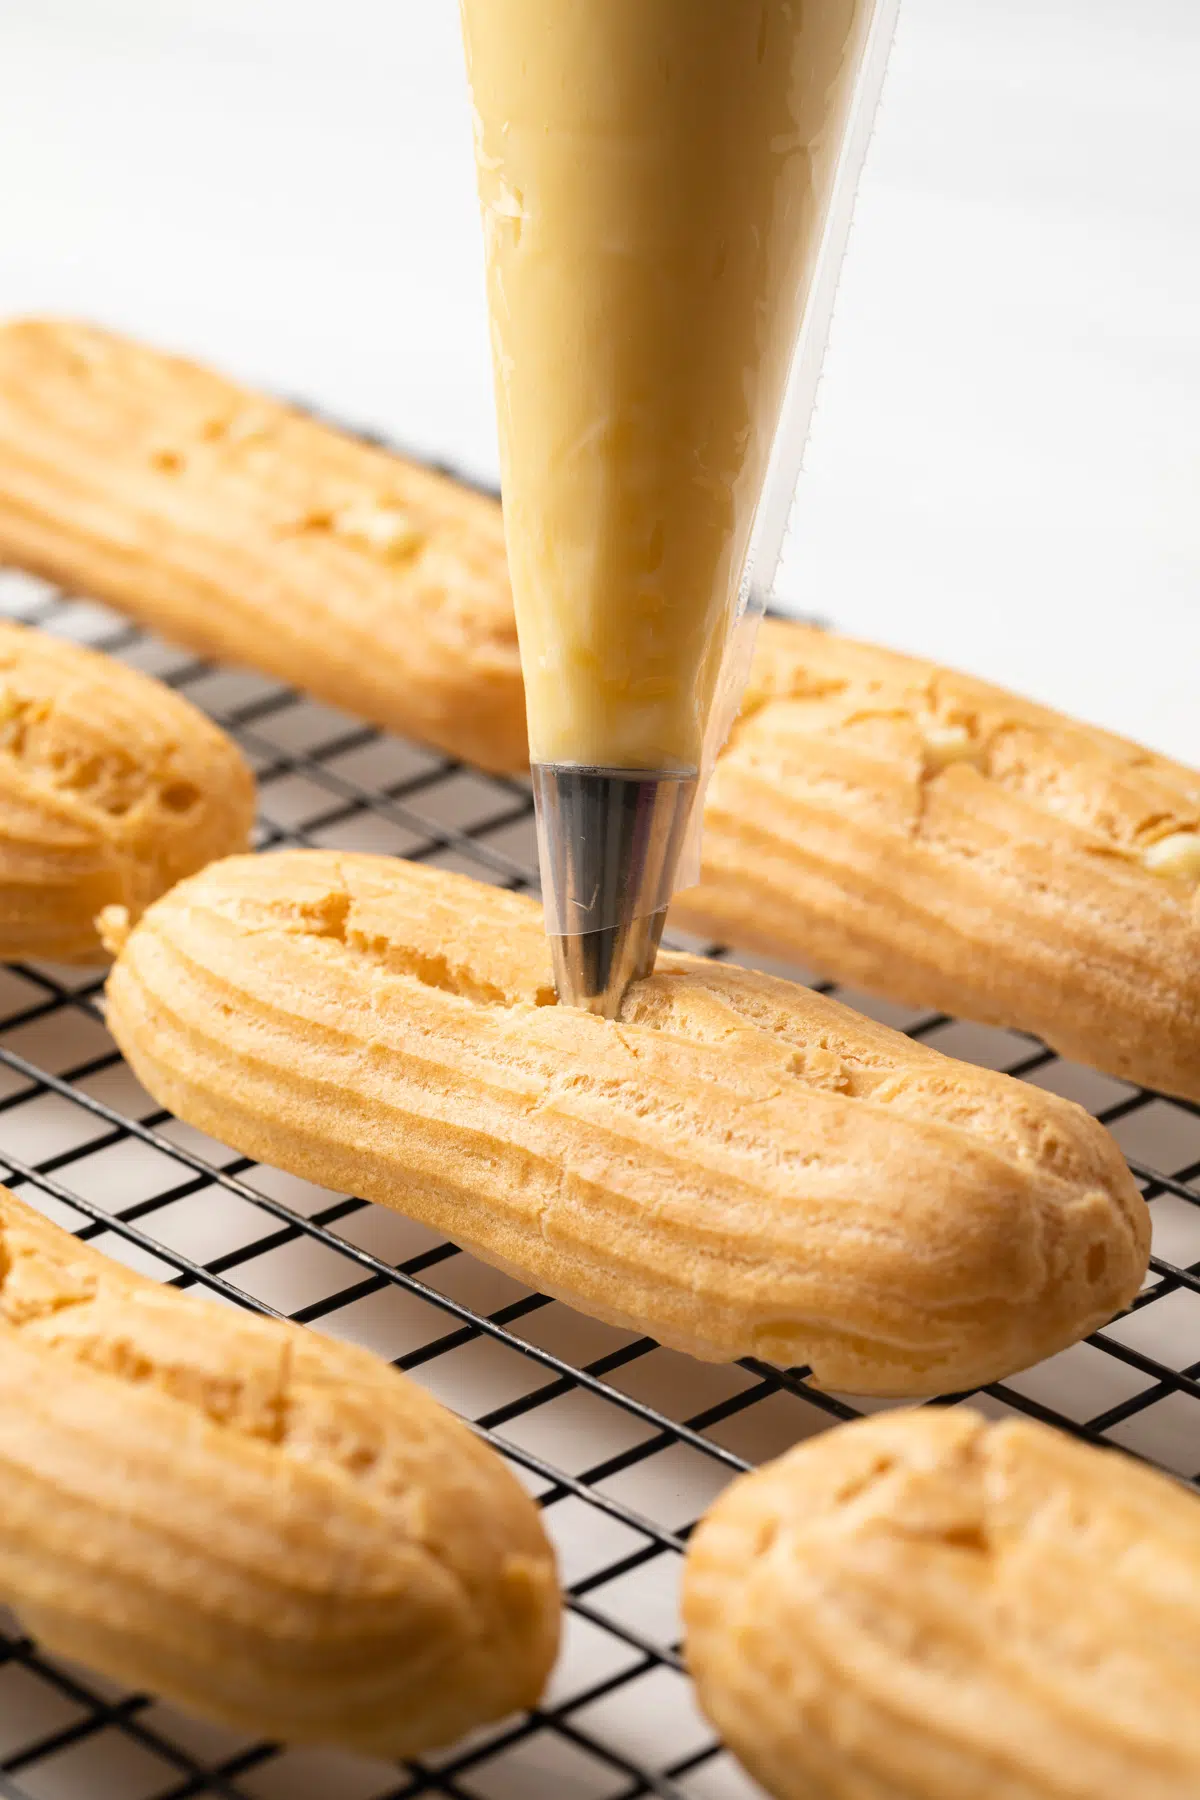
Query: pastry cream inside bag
point(666, 189)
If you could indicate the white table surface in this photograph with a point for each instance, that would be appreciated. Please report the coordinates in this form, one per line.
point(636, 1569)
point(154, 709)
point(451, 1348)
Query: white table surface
point(1004, 467)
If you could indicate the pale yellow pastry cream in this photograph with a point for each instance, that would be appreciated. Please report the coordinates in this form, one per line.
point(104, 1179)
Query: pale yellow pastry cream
point(654, 177)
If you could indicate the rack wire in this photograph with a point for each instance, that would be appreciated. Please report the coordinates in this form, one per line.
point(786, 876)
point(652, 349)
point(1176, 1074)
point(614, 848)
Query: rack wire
point(623, 1443)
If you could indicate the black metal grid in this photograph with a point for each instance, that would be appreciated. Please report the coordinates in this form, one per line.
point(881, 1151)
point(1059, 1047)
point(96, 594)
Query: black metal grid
point(624, 1443)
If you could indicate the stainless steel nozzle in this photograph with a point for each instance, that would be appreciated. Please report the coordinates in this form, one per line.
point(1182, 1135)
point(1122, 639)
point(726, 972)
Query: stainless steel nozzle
point(609, 842)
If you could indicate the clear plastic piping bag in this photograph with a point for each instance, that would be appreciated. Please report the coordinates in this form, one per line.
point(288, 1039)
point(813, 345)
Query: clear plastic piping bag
point(791, 438)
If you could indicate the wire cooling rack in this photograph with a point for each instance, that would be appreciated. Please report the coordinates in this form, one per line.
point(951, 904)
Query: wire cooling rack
point(624, 1443)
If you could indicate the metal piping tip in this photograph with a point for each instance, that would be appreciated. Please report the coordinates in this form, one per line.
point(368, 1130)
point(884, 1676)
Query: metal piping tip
point(609, 842)
point(593, 969)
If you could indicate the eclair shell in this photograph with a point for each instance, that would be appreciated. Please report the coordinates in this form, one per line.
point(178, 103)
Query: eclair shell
point(926, 1606)
point(739, 1166)
point(275, 1530)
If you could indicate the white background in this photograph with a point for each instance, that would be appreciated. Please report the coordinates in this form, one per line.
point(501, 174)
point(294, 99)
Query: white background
point(1004, 467)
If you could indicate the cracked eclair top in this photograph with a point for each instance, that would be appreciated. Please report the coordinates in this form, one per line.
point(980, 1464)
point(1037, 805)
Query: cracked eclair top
point(926, 835)
point(275, 1529)
point(932, 1606)
point(249, 531)
point(737, 1165)
point(111, 788)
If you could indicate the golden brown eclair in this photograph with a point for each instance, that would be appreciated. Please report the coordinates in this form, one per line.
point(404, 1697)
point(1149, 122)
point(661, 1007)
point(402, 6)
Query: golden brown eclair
point(926, 1606)
point(272, 1529)
point(938, 840)
point(739, 1166)
point(249, 532)
point(111, 788)
point(886, 821)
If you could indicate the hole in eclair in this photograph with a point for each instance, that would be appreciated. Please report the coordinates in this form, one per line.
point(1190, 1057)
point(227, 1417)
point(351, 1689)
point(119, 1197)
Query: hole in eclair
point(967, 1537)
point(180, 796)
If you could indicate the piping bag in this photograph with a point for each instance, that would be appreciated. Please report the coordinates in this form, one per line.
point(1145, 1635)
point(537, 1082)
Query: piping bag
point(666, 189)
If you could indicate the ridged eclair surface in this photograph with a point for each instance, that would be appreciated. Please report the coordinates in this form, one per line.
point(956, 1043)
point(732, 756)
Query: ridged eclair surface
point(926, 1606)
point(739, 1166)
point(272, 1529)
point(930, 837)
point(111, 788)
point(249, 532)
